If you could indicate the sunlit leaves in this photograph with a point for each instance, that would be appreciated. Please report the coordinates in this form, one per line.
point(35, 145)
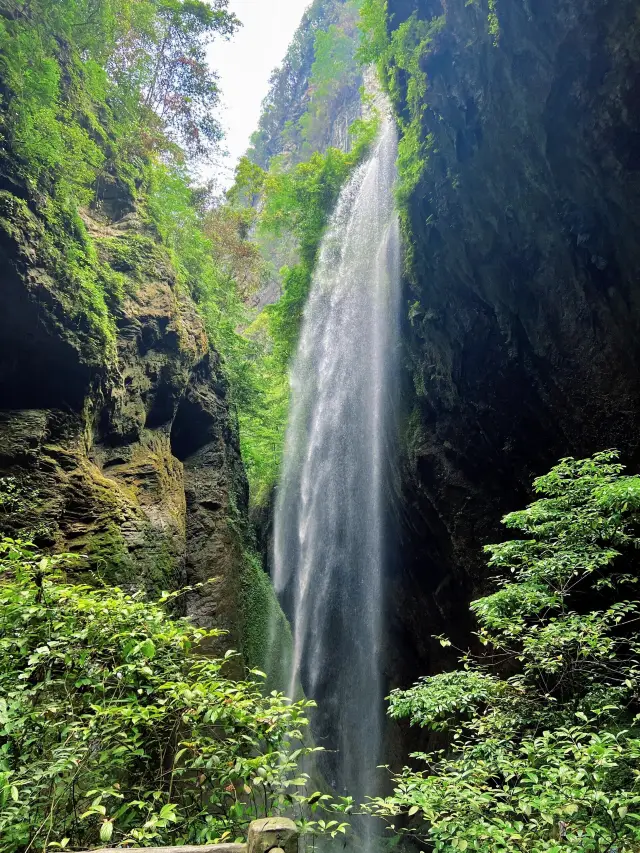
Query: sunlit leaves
point(544, 752)
point(113, 730)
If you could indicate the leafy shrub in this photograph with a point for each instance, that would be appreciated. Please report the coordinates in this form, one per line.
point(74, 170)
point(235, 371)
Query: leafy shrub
point(115, 726)
point(546, 758)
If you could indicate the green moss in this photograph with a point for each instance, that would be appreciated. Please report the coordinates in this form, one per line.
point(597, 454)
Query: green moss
point(161, 569)
point(267, 640)
point(86, 290)
point(135, 258)
point(493, 21)
point(413, 434)
point(400, 56)
point(154, 568)
point(108, 556)
point(16, 220)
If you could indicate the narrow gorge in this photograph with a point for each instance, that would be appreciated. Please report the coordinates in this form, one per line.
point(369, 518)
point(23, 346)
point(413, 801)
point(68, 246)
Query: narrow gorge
point(261, 423)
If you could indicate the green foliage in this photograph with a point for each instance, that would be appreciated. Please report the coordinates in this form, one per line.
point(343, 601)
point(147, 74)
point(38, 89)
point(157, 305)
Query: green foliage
point(93, 91)
point(289, 97)
point(40, 121)
point(267, 640)
point(399, 56)
point(162, 57)
point(544, 748)
point(300, 201)
point(115, 728)
point(142, 64)
point(334, 78)
point(494, 21)
point(184, 227)
point(296, 203)
point(334, 60)
point(263, 414)
point(374, 27)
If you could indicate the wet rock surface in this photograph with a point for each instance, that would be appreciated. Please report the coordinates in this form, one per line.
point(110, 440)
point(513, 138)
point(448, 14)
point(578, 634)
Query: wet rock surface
point(524, 295)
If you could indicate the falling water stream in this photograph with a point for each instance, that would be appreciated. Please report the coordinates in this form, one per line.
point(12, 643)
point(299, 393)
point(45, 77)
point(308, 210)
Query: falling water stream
point(331, 535)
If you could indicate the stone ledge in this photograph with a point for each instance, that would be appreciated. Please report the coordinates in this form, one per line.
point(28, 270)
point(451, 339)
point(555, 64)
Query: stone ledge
point(269, 835)
point(210, 848)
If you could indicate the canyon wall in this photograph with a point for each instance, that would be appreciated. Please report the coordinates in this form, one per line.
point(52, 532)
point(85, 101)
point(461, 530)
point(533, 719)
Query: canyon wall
point(126, 449)
point(522, 293)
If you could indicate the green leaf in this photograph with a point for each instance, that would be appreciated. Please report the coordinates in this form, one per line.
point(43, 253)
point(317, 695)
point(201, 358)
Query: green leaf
point(148, 649)
point(106, 830)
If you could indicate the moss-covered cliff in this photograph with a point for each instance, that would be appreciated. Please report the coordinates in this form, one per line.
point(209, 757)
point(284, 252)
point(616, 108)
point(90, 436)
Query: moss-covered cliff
point(116, 414)
point(520, 188)
point(132, 457)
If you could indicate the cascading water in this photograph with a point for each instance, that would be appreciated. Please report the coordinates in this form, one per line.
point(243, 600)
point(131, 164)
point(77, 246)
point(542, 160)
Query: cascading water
point(330, 521)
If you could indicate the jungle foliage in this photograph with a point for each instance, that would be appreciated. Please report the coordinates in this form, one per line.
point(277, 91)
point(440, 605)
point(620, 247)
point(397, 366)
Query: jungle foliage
point(544, 727)
point(105, 99)
point(116, 726)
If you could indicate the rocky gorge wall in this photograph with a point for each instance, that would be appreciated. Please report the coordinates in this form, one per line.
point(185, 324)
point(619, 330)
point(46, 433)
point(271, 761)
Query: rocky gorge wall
point(522, 295)
point(127, 453)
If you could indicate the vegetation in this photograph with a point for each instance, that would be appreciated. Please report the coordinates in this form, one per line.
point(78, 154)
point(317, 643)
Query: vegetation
point(300, 201)
point(115, 727)
point(400, 52)
point(81, 78)
point(543, 728)
point(296, 203)
point(318, 74)
point(284, 192)
point(267, 642)
point(399, 56)
point(184, 224)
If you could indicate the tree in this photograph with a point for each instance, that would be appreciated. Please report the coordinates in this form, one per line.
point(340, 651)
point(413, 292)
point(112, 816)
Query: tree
point(544, 742)
point(162, 55)
point(87, 78)
point(228, 228)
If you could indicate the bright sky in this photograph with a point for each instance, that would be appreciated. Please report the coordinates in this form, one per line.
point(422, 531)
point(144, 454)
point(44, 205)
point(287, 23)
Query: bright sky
point(245, 63)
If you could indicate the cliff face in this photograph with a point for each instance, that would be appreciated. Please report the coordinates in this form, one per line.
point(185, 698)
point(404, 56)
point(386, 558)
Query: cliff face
point(128, 451)
point(524, 306)
point(314, 95)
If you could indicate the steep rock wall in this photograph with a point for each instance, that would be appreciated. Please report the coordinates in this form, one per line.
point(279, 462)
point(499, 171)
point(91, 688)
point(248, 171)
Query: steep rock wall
point(523, 297)
point(129, 453)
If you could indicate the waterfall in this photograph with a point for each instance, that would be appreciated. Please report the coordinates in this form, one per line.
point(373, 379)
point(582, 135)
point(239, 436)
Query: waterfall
point(330, 522)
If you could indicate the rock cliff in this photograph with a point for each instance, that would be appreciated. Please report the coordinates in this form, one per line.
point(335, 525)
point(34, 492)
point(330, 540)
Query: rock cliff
point(523, 298)
point(128, 450)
